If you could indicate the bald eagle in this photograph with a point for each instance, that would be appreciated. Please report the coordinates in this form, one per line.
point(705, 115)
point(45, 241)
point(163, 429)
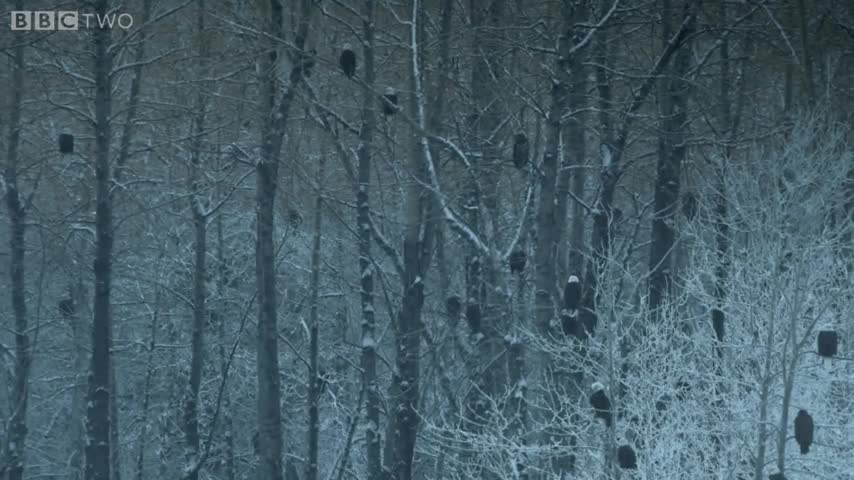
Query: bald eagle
point(804, 428)
point(571, 293)
point(347, 60)
point(600, 403)
point(521, 150)
point(627, 458)
point(66, 143)
point(518, 260)
point(828, 343)
point(389, 101)
point(453, 306)
point(66, 307)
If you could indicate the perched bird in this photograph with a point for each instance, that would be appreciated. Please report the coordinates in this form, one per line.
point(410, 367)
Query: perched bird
point(66, 143)
point(828, 343)
point(627, 458)
point(390, 101)
point(689, 206)
point(521, 150)
point(572, 293)
point(453, 307)
point(66, 307)
point(776, 476)
point(804, 429)
point(347, 60)
point(600, 403)
point(518, 260)
point(718, 323)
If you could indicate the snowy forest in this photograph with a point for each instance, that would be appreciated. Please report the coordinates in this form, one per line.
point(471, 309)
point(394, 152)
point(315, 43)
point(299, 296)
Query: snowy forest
point(427, 239)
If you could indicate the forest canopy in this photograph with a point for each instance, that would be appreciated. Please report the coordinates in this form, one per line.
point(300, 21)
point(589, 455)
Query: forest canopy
point(416, 240)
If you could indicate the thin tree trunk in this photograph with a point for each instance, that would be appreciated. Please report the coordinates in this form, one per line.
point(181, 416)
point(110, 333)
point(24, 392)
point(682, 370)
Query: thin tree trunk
point(276, 109)
point(548, 236)
point(197, 359)
point(418, 243)
point(673, 100)
point(220, 316)
point(80, 337)
point(121, 162)
point(366, 269)
point(809, 81)
point(17, 441)
point(98, 444)
point(481, 272)
point(314, 379)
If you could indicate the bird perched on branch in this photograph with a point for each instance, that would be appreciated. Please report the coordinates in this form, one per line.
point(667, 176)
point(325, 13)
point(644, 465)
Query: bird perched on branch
point(804, 429)
point(347, 60)
point(600, 403)
point(627, 458)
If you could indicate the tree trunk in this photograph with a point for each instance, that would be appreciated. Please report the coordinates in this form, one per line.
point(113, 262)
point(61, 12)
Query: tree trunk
point(314, 379)
point(98, 444)
point(220, 314)
point(17, 441)
point(199, 216)
point(553, 202)
point(146, 389)
point(482, 192)
point(673, 103)
point(366, 269)
point(418, 242)
point(81, 338)
point(275, 111)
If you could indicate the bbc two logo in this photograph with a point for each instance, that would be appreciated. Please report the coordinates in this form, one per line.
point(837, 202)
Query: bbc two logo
point(67, 20)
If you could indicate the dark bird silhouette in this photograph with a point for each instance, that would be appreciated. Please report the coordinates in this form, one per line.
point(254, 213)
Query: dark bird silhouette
point(804, 429)
point(347, 60)
point(627, 458)
point(66, 307)
point(453, 307)
point(390, 101)
point(572, 293)
point(718, 323)
point(518, 260)
point(568, 324)
point(776, 476)
point(66, 143)
point(600, 403)
point(828, 343)
point(689, 206)
point(521, 150)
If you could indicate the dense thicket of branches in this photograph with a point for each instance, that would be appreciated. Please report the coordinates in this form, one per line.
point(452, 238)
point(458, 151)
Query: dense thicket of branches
point(252, 264)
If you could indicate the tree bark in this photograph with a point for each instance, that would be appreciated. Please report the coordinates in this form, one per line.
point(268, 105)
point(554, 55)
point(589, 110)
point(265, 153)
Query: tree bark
point(315, 381)
point(366, 269)
point(276, 109)
point(418, 243)
point(481, 192)
point(15, 446)
point(199, 220)
point(673, 103)
point(98, 444)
